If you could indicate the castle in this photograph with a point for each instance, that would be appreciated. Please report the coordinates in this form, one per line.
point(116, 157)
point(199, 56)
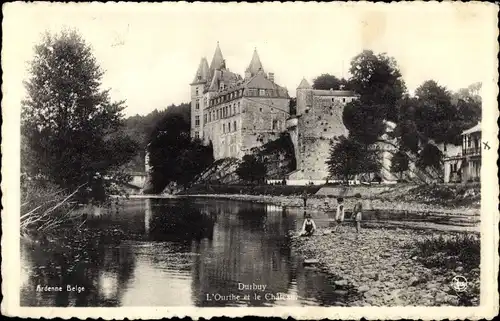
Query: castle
point(236, 114)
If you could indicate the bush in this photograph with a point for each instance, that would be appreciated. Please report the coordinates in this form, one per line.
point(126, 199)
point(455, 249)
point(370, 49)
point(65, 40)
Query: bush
point(44, 207)
point(449, 252)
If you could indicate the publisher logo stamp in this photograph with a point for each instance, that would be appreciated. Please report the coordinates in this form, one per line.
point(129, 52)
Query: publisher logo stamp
point(459, 283)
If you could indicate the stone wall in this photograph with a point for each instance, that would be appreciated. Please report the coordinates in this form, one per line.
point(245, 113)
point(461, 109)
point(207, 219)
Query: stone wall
point(263, 120)
point(317, 126)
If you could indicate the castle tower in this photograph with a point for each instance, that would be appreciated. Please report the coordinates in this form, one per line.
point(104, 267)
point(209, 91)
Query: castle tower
point(303, 92)
point(218, 62)
point(255, 66)
point(201, 77)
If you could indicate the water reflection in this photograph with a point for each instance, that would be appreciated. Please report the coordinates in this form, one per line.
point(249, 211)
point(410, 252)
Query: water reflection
point(181, 252)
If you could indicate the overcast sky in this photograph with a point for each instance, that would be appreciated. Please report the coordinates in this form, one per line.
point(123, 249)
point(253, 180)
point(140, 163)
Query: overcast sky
point(151, 51)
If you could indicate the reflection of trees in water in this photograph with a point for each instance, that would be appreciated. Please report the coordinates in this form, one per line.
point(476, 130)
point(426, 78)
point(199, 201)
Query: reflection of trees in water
point(180, 222)
point(249, 246)
point(82, 264)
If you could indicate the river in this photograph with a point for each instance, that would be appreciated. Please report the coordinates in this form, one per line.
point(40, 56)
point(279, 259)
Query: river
point(181, 252)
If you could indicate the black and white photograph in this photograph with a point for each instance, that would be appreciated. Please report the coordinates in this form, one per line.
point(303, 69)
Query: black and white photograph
point(309, 160)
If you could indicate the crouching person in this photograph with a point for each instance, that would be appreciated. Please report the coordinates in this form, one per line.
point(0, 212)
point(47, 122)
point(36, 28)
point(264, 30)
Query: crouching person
point(309, 227)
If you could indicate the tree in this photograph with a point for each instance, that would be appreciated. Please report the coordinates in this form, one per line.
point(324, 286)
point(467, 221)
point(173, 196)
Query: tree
point(173, 155)
point(326, 82)
point(363, 122)
point(430, 156)
point(437, 118)
point(69, 125)
point(348, 158)
point(251, 169)
point(399, 163)
point(293, 106)
point(378, 81)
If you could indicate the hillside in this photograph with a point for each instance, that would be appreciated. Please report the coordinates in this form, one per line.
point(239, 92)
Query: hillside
point(278, 155)
point(139, 128)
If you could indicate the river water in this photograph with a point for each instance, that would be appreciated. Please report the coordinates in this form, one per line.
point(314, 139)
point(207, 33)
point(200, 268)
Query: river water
point(181, 252)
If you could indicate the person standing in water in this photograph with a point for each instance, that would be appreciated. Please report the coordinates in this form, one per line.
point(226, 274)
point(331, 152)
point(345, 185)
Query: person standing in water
point(304, 198)
point(339, 216)
point(358, 208)
point(309, 227)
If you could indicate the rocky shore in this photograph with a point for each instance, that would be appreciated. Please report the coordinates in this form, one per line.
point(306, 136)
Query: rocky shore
point(318, 203)
point(386, 267)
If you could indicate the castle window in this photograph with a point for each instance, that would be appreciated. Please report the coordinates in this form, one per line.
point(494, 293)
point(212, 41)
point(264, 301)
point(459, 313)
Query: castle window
point(234, 125)
point(196, 91)
point(343, 100)
point(229, 127)
point(223, 128)
point(275, 124)
point(333, 100)
point(197, 106)
point(197, 135)
point(241, 92)
point(260, 109)
point(234, 109)
point(197, 120)
point(205, 118)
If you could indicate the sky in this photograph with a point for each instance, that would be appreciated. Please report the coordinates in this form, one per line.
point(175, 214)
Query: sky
point(151, 52)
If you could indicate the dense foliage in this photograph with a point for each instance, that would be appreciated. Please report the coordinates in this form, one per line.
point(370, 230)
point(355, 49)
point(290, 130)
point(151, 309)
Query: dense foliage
point(252, 169)
point(349, 158)
point(71, 130)
point(173, 155)
point(327, 82)
point(433, 116)
point(141, 127)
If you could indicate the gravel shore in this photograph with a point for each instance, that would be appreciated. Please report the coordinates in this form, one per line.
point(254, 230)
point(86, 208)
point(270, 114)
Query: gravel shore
point(382, 266)
point(318, 203)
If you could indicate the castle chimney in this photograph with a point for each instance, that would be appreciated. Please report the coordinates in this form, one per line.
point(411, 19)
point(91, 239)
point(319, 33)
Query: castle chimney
point(271, 76)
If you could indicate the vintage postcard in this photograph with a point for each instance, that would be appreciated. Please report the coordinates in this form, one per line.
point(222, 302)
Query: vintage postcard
point(305, 160)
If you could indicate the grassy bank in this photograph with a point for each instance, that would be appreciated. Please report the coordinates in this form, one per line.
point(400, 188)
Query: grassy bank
point(398, 267)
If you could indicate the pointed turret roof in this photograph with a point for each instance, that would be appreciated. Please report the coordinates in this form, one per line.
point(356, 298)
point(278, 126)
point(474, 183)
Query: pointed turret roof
point(217, 60)
point(304, 84)
point(255, 64)
point(203, 73)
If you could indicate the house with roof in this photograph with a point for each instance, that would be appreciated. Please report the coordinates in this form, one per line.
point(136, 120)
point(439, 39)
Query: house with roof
point(235, 113)
point(465, 166)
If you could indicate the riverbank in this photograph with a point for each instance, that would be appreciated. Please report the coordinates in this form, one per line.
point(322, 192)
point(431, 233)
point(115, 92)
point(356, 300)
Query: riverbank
point(318, 203)
point(397, 267)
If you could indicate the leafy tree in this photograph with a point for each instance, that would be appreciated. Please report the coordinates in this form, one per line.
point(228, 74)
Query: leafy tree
point(378, 81)
point(437, 118)
point(173, 155)
point(252, 169)
point(326, 82)
point(430, 156)
point(140, 129)
point(70, 127)
point(399, 163)
point(348, 158)
point(363, 122)
point(293, 106)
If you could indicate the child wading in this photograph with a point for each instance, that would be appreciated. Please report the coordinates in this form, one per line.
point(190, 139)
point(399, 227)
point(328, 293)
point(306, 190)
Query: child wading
point(339, 216)
point(309, 227)
point(357, 212)
point(304, 197)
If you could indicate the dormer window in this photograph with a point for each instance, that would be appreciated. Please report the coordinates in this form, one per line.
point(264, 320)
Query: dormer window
point(262, 92)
